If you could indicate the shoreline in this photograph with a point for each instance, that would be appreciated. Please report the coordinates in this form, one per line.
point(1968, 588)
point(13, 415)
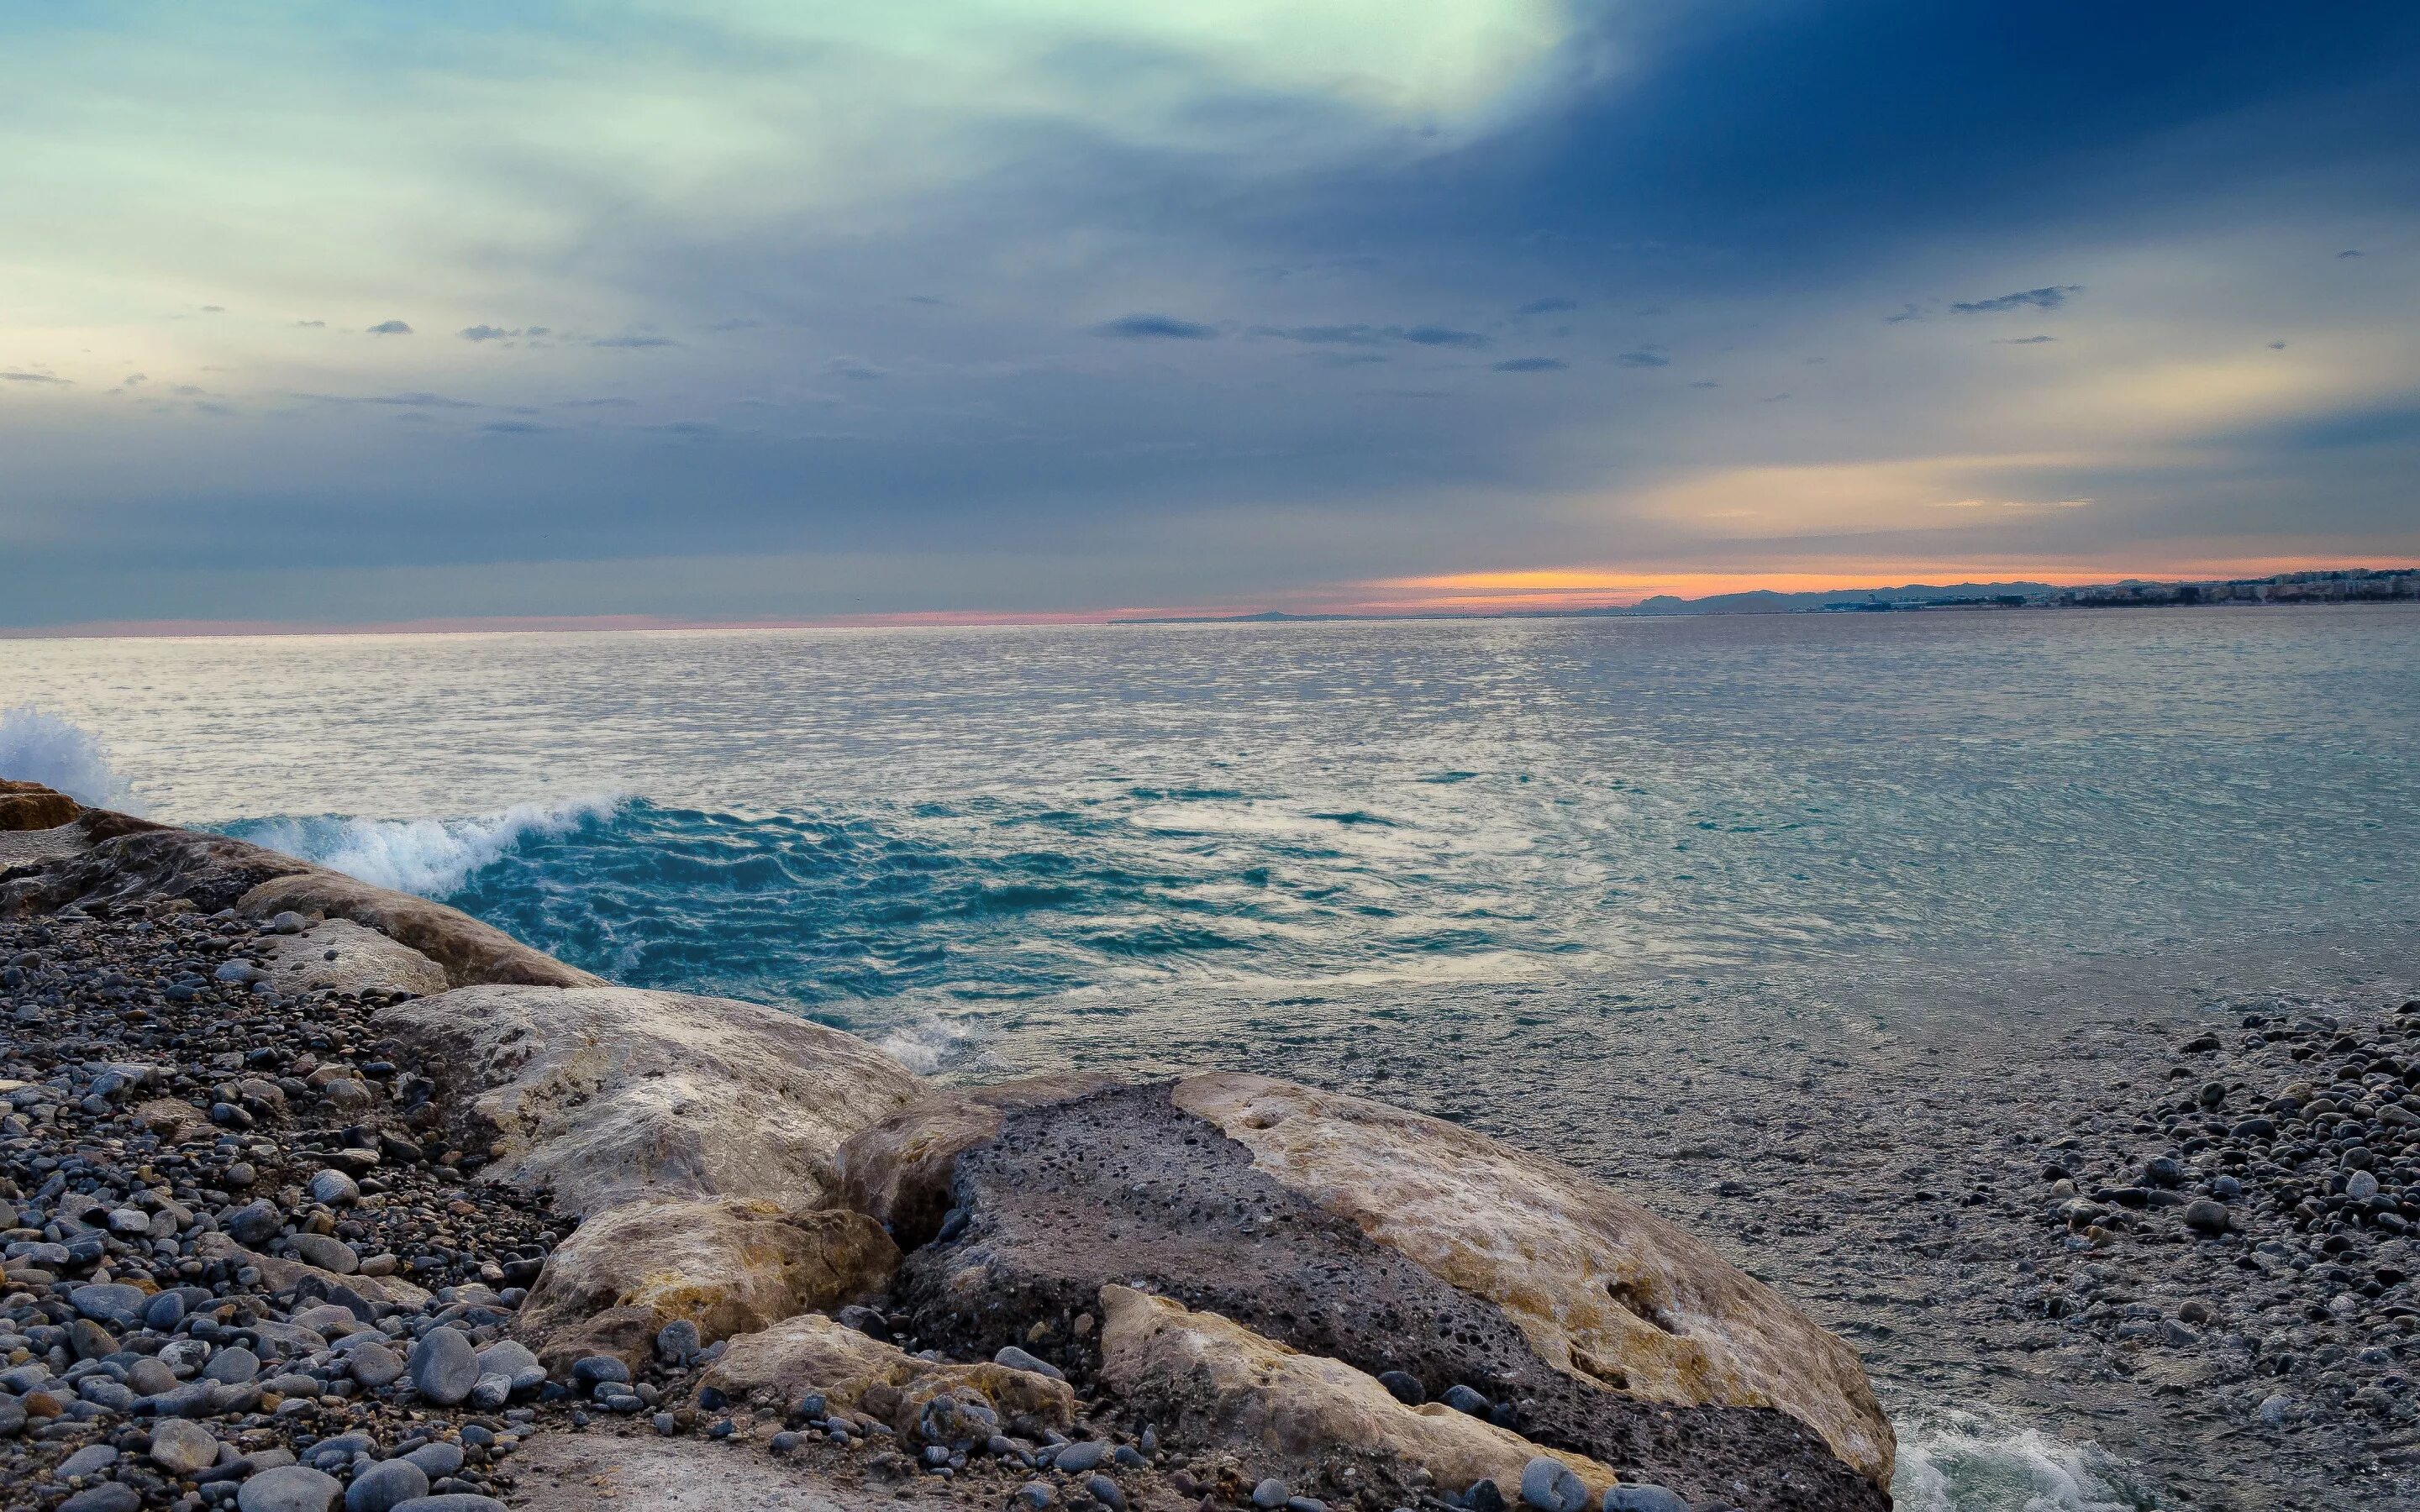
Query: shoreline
point(583, 1277)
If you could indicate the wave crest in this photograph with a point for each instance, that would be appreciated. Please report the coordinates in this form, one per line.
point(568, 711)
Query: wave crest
point(1960, 1464)
point(40, 747)
point(428, 857)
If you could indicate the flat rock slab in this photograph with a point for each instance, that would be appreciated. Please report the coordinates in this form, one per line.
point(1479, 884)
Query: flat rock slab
point(1123, 1187)
point(339, 955)
point(582, 1472)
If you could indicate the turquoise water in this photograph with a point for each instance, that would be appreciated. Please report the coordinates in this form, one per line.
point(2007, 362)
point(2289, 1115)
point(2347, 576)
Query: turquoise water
point(955, 834)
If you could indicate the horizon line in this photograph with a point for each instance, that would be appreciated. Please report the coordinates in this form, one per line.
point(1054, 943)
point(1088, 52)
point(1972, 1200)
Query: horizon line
point(1548, 593)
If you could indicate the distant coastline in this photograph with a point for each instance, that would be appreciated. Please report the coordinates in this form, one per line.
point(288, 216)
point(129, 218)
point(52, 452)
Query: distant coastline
point(2351, 585)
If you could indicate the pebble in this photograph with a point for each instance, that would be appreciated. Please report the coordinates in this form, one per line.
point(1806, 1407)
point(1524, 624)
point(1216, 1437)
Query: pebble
point(1035, 1495)
point(233, 1366)
point(379, 1488)
point(1107, 1493)
point(1076, 1458)
point(451, 1502)
point(288, 1488)
point(1462, 1398)
point(109, 1496)
point(1549, 1485)
point(183, 1448)
point(332, 1188)
point(437, 1460)
point(444, 1366)
point(1642, 1497)
point(90, 1460)
point(1270, 1494)
point(1403, 1387)
point(1016, 1359)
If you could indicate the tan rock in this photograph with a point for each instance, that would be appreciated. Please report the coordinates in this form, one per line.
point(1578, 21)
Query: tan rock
point(1606, 1290)
point(899, 1170)
point(605, 1094)
point(726, 1265)
point(171, 1118)
point(468, 951)
point(1219, 1383)
point(559, 1472)
point(31, 806)
point(811, 1353)
point(364, 961)
point(280, 1274)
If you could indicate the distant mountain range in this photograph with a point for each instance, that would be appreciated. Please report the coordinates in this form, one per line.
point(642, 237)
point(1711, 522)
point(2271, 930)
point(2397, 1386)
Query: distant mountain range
point(2350, 585)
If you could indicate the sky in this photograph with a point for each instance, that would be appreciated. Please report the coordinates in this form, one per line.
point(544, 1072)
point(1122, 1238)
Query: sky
point(728, 311)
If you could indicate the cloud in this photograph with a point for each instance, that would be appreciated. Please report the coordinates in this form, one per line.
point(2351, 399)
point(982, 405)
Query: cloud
point(214, 309)
point(2049, 297)
point(1705, 383)
point(390, 328)
point(1548, 305)
point(2276, 346)
point(2348, 252)
point(2022, 341)
point(634, 342)
point(1906, 313)
point(1154, 328)
point(2013, 503)
point(310, 325)
point(37, 377)
point(512, 428)
point(1443, 336)
point(1643, 359)
point(1532, 365)
point(594, 404)
point(485, 334)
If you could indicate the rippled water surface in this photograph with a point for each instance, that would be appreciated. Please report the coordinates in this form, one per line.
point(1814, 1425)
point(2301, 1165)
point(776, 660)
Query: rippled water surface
point(874, 823)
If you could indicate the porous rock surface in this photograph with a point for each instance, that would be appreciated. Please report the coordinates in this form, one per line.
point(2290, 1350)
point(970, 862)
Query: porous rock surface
point(727, 1265)
point(1122, 1186)
point(1214, 1380)
point(1605, 1292)
point(899, 1170)
point(604, 1094)
point(812, 1353)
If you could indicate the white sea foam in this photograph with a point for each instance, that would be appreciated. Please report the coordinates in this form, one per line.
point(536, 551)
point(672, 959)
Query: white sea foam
point(1958, 1463)
point(40, 747)
point(430, 856)
point(922, 1045)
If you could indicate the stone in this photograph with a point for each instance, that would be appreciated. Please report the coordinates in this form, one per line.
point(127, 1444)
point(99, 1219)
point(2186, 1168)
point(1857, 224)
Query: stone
point(288, 1488)
point(561, 1472)
point(29, 806)
point(606, 1094)
point(327, 1253)
point(164, 1312)
point(332, 1188)
point(898, 1171)
point(1271, 1493)
point(678, 1341)
point(253, 1225)
point(1549, 1485)
point(724, 1265)
point(437, 1460)
point(2361, 1186)
point(89, 1460)
point(364, 961)
point(451, 1502)
point(1606, 1292)
point(1264, 1401)
point(149, 1376)
point(811, 1353)
point(89, 1340)
point(109, 1496)
point(443, 1365)
point(1017, 1359)
point(374, 1366)
point(183, 1448)
point(509, 1358)
point(280, 1274)
point(1642, 1498)
point(385, 1483)
point(1076, 1458)
point(1405, 1389)
point(490, 1392)
point(1107, 1493)
point(114, 1304)
point(596, 1370)
point(1462, 1398)
point(2204, 1216)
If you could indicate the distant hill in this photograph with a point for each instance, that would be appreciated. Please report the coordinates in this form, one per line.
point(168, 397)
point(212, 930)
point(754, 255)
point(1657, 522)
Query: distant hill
point(1765, 601)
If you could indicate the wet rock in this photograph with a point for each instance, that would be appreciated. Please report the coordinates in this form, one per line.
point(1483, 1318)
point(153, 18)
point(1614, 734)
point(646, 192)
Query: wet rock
point(723, 1265)
point(607, 1094)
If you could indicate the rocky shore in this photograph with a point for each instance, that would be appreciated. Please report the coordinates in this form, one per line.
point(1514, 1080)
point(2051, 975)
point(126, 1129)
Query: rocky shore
point(319, 1195)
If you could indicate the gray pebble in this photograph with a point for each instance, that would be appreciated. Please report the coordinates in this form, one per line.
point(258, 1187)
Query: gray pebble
point(1463, 1400)
point(90, 1460)
point(328, 1253)
point(1270, 1494)
point(443, 1365)
point(1403, 1387)
point(451, 1502)
point(1549, 1485)
point(1016, 1359)
point(149, 1376)
point(288, 1488)
point(437, 1460)
point(1642, 1498)
point(253, 1225)
point(380, 1487)
point(332, 1188)
point(1076, 1458)
point(109, 1496)
point(1107, 1493)
point(372, 1365)
point(183, 1448)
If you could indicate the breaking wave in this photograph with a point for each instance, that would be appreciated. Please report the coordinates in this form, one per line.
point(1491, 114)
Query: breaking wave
point(430, 856)
point(40, 747)
point(1961, 1464)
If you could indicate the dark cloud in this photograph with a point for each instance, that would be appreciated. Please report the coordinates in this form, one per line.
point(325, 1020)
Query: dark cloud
point(1154, 328)
point(2348, 252)
point(2049, 297)
point(1644, 358)
point(485, 334)
point(2023, 341)
point(37, 377)
point(1443, 336)
point(1532, 365)
point(2276, 346)
point(1548, 305)
point(390, 328)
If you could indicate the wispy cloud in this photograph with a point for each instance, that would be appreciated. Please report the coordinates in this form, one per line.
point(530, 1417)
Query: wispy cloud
point(390, 328)
point(1548, 305)
point(2049, 297)
point(1643, 359)
point(1532, 365)
point(634, 342)
point(2014, 504)
point(37, 377)
point(2023, 341)
point(1147, 327)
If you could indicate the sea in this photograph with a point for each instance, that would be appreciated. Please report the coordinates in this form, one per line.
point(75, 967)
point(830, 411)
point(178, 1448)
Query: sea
point(1413, 856)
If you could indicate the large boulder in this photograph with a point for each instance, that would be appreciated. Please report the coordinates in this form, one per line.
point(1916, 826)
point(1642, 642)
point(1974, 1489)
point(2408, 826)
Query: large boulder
point(604, 1094)
point(812, 1353)
point(726, 1265)
point(32, 805)
point(338, 955)
point(899, 1170)
point(1211, 1380)
point(1605, 1292)
point(1124, 1187)
point(468, 951)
